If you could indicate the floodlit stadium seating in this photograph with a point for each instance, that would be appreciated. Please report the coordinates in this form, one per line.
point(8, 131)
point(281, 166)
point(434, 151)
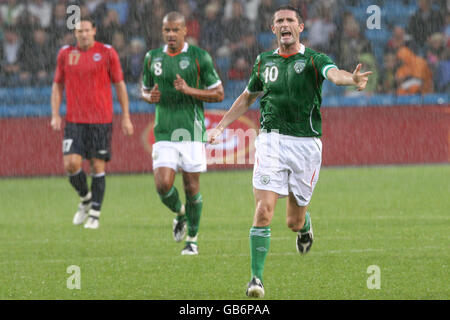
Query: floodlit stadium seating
point(35, 101)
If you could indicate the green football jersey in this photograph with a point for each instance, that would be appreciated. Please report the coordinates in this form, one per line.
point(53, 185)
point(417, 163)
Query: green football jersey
point(292, 88)
point(179, 115)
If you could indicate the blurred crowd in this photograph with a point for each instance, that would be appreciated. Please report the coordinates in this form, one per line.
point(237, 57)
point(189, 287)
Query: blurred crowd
point(414, 59)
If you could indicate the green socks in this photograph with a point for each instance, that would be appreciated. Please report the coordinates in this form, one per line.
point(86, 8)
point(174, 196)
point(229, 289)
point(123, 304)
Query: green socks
point(259, 247)
point(172, 200)
point(194, 207)
point(260, 244)
point(307, 224)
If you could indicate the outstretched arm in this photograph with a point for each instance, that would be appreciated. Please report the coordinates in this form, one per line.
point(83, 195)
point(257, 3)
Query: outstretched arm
point(344, 78)
point(239, 107)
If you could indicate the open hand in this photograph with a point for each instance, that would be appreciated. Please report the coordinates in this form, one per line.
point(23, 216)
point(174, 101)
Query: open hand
point(359, 78)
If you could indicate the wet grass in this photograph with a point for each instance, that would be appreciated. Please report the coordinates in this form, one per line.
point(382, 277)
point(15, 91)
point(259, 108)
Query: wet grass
point(396, 218)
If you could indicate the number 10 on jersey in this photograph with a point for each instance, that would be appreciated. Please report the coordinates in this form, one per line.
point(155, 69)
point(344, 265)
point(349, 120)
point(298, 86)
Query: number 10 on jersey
point(270, 74)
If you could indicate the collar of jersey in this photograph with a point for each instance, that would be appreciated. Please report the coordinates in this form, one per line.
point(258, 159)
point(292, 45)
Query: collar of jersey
point(185, 49)
point(302, 51)
point(79, 49)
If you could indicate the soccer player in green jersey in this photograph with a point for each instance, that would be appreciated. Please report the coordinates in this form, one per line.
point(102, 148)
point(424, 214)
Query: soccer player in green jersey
point(178, 78)
point(288, 149)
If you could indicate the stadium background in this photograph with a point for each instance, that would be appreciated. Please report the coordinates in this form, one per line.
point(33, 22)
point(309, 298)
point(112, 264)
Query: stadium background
point(393, 217)
point(402, 116)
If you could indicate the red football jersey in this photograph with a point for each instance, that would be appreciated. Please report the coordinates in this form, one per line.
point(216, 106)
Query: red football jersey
point(87, 77)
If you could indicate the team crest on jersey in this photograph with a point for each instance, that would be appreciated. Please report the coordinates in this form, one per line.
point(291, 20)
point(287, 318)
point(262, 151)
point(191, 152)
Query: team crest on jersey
point(265, 179)
point(184, 64)
point(97, 57)
point(299, 66)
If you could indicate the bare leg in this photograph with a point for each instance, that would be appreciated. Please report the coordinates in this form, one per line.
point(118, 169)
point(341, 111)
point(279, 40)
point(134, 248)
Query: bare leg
point(295, 214)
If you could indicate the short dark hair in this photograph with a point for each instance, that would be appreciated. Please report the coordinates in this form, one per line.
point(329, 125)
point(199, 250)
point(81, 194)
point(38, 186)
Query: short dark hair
point(291, 8)
point(88, 19)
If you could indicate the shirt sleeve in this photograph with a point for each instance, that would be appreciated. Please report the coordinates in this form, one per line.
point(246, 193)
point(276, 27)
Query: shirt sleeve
point(59, 72)
point(323, 64)
point(115, 70)
point(255, 84)
point(208, 74)
point(147, 79)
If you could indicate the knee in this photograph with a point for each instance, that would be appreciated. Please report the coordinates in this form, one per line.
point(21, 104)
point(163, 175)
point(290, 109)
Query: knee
point(98, 167)
point(163, 186)
point(295, 223)
point(291, 224)
point(191, 188)
point(72, 166)
point(263, 214)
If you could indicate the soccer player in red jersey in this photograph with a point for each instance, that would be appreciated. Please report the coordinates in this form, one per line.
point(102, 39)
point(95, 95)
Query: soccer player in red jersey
point(86, 72)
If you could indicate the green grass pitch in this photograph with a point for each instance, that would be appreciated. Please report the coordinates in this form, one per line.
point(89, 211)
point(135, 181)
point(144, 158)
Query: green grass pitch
point(393, 217)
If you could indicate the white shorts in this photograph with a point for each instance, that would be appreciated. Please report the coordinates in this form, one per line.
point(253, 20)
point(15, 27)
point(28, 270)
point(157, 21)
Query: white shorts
point(286, 164)
point(190, 156)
